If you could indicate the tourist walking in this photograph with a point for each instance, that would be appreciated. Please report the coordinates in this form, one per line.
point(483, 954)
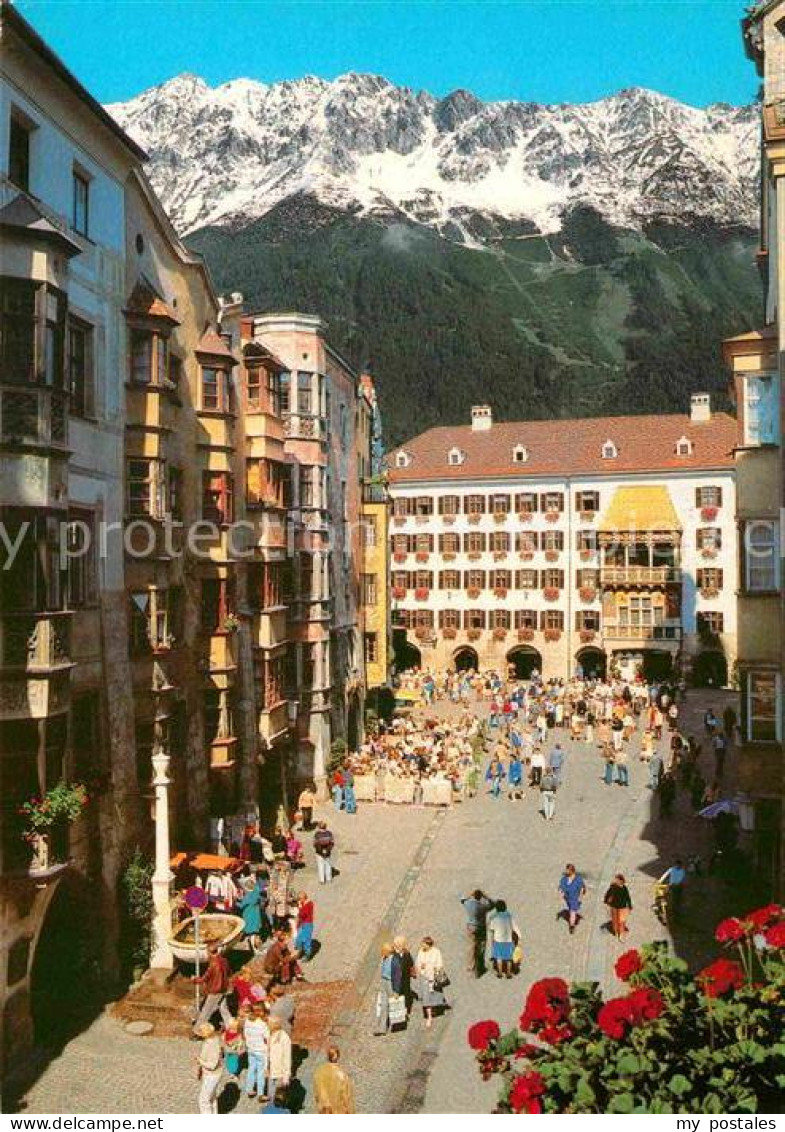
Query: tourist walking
point(537, 766)
point(548, 795)
point(402, 968)
point(215, 982)
point(502, 932)
point(477, 906)
point(209, 1068)
point(572, 888)
point(619, 901)
point(251, 908)
point(622, 768)
point(675, 878)
point(257, 1038)
point(556, 761)
point(515, 776)
point(609, 755)
point(655, 769)
point(303, 940)
point(323, 844)
point(305, 804)
point(385, 992)
point(279, 1057)
point(332, 1086)
point(431, 979)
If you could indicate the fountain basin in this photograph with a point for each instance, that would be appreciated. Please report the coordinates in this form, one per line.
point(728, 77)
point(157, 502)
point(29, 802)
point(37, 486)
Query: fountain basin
point(214, 927)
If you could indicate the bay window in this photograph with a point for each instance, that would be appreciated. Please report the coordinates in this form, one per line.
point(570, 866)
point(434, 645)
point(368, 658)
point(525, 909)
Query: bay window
point(760, 554)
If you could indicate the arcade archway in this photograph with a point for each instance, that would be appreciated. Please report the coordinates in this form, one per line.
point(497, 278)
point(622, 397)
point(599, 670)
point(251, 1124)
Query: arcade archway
point(592, 662)
point(407, 655)
point(465, 658)
point(524, 660)
point(710, 670)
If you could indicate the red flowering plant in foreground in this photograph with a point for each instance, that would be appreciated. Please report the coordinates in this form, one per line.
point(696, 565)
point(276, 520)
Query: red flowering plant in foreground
point(669, 1042)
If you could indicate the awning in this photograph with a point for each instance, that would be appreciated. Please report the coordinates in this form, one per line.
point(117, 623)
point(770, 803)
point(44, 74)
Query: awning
point(644, 509)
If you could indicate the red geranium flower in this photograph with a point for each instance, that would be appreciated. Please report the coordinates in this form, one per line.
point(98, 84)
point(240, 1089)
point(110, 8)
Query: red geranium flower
point(524, 1093)
point(481, 1034)
point(646, 1004)
point(730, 931)
point(721, 976)
point(775, 936)
point(762, 917)
point(555, 1034)
point(615, 1017)
point(547, 1004)
point(628, 964)
point(526, 1050)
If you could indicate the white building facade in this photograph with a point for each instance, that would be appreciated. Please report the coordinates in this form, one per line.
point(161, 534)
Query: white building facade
point(603, 544)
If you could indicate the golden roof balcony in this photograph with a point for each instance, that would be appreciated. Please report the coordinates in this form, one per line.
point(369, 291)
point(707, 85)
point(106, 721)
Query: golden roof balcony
point(641, 636)
point(639, 575)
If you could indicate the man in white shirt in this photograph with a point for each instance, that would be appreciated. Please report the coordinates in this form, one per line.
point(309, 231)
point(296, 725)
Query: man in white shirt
point(257, 1040)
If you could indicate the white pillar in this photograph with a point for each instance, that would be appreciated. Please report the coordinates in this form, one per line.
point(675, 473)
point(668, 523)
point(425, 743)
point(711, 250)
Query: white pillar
point(161, 954)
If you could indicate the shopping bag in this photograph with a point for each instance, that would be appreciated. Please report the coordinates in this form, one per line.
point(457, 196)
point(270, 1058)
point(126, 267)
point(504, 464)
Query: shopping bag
point(397, 1009)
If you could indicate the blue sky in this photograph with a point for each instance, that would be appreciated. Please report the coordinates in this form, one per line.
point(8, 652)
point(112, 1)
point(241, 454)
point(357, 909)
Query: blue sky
point(571, 50)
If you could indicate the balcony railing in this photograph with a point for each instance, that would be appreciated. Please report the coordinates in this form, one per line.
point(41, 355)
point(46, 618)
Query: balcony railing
point(668, 632)
point(35, 641)
point(639, 575)
point(374, 493)
point(304, 426)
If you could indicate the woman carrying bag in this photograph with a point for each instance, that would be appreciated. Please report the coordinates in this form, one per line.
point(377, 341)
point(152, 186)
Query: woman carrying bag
point(431, 979)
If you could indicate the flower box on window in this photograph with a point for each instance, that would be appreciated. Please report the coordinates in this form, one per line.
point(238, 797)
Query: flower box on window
point(449, 519)
point(473, 518)
point(449, 556)
point(473, 592)
point(552, 634)
point(526, 634)
point(421, 520)
point(586, 553)
point(399, 592)
point(526, 555)
point(399, 520)
point(423, 633)
point(588, 516)
point(587, 635)
point(449, 632)
point(473, 555)
point(421, 593)
point(710, 592)
point(550, 593)
point(399, 556)
point(500, 591)
point(709, 552)
point(500, 516)
point(499, 555)
point(524, 516)
point(421, 556)
point(474, 634)
point(587, 593)
point(499, 633)
point(708, 513)
point(551, 556)
point(552, 516)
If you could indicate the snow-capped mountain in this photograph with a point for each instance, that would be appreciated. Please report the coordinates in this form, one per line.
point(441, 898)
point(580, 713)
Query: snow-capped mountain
point(227, 155)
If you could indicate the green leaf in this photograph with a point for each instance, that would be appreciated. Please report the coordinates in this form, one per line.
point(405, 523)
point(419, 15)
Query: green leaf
point(623, 1102)
point(679, 1085)
point(585, 1096)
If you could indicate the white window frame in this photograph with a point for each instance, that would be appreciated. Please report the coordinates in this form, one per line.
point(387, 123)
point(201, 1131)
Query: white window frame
point(749, 559)
point(750, 674)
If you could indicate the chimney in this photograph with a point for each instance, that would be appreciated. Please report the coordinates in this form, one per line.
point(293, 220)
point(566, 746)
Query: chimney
point(482, 418)
point(700, 408)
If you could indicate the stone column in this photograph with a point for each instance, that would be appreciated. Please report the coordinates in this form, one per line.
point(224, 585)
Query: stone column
point(161, 955)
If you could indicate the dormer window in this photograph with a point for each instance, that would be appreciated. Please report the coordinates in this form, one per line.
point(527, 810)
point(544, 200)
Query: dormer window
point(455, 456)
point(609, 450)
point(402, 459)
point(683, 446)
point(520, 454)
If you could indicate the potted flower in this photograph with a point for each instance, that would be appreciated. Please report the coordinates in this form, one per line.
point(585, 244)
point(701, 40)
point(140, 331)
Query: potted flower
point(449, 556)
point(552, 516)
point(421, 520)
point(586, 553)
point(473, 518)
point(473, 555)
point(500, 516)
point(708, 513)
point(399, 556)
point(526, 555)
point(449, 632)
point(524, 516)
point(526, 633)
point(587, 593)
point(588, 516)
point(399, 520)
point(474, 634)
point(499, 633)
point(710, 592)
point(449, 519)
point(421, 556)
point(709, 552)
point(499, 555)
point(587, 635)
point(49, 815)
point(423, 633)
point(421, 593)
point(500, 591)
point(550, 593)
point(551, 556)
point(231, 623)
point(399, 592)
point(552, 634)
point(473, 592)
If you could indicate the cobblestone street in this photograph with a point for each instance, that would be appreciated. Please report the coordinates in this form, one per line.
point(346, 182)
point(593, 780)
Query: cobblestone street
point(405, 870)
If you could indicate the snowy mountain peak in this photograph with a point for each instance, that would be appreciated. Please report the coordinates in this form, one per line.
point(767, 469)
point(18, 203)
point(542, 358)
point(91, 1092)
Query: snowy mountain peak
point(226, 155)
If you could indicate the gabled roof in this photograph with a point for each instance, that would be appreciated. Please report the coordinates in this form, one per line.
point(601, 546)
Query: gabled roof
point(259, 352)
point(23, 217)
point(212, 345)
point(569, 447)
point(146, 302)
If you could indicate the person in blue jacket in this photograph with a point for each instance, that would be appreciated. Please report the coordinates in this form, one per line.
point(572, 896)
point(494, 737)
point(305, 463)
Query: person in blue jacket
point(251, 908)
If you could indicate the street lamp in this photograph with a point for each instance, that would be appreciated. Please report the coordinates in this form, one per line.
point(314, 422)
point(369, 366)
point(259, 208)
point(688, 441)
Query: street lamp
point(161, 953)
